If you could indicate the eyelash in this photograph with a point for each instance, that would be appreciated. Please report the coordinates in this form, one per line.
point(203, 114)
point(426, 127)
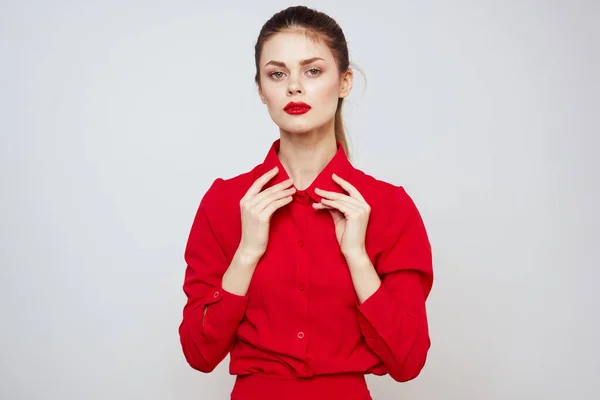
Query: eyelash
point(279, 72)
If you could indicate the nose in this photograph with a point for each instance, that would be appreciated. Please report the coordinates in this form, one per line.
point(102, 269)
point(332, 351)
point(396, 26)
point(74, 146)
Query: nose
point(294, 87)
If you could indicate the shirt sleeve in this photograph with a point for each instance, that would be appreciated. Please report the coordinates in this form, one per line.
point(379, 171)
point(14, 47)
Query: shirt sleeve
point(393, 320)
point(211, 315)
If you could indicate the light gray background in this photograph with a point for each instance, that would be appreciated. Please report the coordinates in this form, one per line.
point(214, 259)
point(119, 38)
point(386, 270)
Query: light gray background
point(115, 116)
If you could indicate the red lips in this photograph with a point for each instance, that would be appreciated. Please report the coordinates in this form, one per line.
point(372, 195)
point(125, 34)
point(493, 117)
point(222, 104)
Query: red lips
point(295, 108)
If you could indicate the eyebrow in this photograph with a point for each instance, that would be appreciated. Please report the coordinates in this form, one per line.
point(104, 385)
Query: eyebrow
point(302, 62)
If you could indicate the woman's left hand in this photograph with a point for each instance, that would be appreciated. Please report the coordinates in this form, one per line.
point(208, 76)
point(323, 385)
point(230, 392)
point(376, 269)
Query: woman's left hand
point(350, 216)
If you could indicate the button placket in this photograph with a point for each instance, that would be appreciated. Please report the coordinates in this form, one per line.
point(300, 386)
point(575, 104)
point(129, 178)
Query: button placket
point(302, 215)
point(302, 197)
point(306, 368)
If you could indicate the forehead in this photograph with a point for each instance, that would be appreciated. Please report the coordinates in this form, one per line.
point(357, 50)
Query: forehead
point(291, 47)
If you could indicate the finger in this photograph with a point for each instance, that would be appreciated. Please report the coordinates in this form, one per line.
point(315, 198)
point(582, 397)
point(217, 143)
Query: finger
point(321, 206)
point(338, 196)
point(269, 192)
point(275, 205)
point(348, 187)
point(336, 214)
point(259, 183)
point(333, 211)
point(350, 203)
point(343, 207)
point(276, 196)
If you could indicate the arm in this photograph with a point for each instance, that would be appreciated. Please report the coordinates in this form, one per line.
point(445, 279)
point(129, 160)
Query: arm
point(216, 292)
point(392, 313)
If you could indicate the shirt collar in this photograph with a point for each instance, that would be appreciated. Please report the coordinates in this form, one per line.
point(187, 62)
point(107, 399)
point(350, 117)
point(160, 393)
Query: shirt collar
point(339, 164)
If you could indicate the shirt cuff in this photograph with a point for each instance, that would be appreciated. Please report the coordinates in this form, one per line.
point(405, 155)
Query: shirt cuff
point(225, 308)
point(379, 310)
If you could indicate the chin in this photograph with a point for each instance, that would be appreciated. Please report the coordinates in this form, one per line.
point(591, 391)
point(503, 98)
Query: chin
point(299, 126)
point(296, 129)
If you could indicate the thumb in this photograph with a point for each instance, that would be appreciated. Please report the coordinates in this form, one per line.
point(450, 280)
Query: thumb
point(335, 214)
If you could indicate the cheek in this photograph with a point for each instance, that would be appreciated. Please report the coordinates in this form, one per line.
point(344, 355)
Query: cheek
point(271, 94)
point(326, 91)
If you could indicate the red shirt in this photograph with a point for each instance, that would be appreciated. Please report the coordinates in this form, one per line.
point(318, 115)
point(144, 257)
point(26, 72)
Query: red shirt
point(300, 331)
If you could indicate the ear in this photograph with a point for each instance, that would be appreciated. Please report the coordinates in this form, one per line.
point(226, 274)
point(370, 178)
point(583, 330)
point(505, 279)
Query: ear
point(262, 96)
point(346, 81)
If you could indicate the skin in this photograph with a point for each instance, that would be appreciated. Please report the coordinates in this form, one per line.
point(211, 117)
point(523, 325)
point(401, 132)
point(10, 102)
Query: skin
point(308, 140)
point(307, 144)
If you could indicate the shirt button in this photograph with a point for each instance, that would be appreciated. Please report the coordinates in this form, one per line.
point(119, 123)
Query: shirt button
point(300, 335)
point(300, 243)
point(216, 294)
point(301, 286)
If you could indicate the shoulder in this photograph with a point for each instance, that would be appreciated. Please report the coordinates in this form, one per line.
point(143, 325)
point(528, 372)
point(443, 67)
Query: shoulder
point(393, 211)
point(222, 189)
point(224, 193)
point(383, 196)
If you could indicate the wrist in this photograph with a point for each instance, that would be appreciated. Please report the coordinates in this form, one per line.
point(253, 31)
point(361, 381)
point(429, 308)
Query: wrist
point(357, 256)
point(246, 257)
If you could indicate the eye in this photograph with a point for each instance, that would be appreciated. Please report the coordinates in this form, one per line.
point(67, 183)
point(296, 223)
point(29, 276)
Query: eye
point(276, 75)
point(314, 71)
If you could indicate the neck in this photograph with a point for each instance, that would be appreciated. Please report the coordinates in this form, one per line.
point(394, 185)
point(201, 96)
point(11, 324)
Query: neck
point(304, 156)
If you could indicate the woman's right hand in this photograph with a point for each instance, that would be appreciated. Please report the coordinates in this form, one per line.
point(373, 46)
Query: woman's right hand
point(257, 207)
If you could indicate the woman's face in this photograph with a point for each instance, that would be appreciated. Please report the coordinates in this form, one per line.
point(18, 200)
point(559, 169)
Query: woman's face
point(294, 68)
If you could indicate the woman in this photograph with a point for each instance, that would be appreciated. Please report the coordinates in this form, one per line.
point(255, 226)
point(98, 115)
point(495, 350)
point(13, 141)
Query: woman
point(309, 272)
